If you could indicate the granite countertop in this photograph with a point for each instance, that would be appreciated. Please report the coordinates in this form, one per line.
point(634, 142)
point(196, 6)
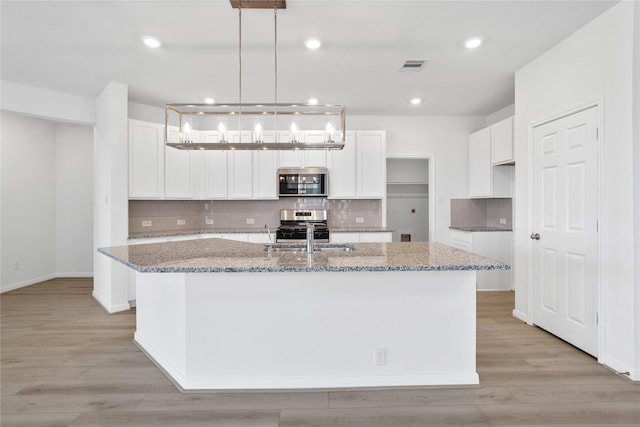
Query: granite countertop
point(478, 228)
point(199, 231)
point(220, 255)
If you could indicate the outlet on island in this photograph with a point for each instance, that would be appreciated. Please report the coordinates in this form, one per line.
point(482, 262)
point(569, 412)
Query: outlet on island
point(359, 220)
point(208, 221)
point(147, 223)
point(181, 222)
point(250, 221)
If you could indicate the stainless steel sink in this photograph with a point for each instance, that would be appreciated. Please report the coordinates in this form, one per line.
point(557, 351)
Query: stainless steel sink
point(321, 247)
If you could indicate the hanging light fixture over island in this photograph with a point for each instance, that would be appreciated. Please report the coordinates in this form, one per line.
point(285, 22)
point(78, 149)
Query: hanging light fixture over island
point(255, 126)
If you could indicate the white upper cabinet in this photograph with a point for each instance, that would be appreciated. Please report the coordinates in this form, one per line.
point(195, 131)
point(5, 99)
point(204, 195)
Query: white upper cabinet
point(480, 163)
point(265, 180)
point(371, 165)
point(342, 171)
point(209, 171)
point(485, 179)
point(146, 160)
point(304, 158)
point(157, 171)
point(502, 142)
point(358, 171)
point(177, 174)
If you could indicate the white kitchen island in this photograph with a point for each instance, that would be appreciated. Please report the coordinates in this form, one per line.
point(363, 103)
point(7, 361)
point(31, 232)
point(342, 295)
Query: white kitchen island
point(217, 314)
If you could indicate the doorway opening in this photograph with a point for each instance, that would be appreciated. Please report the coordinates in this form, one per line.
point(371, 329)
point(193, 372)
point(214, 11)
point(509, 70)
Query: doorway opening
point(409, 203)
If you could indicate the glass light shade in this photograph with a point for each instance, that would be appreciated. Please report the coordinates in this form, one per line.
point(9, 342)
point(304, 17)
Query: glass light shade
point(253, 126)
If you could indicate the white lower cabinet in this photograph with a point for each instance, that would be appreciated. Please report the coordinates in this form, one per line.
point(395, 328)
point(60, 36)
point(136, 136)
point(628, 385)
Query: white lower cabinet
point(496, 245)
point(360, 237)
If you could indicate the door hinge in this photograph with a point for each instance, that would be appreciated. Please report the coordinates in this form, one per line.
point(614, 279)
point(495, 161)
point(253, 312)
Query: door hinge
point(596, 318)
point(597, 226)
point(597, 133)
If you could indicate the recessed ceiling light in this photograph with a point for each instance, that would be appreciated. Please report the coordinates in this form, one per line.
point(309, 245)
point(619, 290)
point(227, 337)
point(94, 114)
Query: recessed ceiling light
point(312, 44)
point(151, 42)
point(473, 43)
point(416, 101)
point(210, 100)
point(312, 101)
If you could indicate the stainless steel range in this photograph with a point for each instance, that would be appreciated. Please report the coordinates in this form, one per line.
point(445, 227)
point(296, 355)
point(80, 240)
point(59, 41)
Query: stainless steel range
point(293, 225)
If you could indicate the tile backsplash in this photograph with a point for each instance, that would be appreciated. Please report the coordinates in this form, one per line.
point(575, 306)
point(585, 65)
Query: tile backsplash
point(147, 217)
point(482, 213)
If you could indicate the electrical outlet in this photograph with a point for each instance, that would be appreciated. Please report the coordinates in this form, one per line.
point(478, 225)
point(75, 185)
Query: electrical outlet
point(503, 221)
point(208, 221)
point(147, 223)
point(181, 222)
point(359, 220)
point(250, 221)
point(380, 356)
point(16, 266)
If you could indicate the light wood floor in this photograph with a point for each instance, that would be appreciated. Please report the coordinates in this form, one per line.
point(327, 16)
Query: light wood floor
point(66, 362)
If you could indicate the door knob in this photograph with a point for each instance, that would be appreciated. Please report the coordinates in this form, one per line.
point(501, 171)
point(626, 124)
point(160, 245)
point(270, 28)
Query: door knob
point(535, 236)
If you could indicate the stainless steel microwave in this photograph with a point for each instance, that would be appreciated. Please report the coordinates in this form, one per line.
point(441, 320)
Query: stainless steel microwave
point(307, 182)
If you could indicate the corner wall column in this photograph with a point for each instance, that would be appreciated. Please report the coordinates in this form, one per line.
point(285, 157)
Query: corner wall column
point(110, 214)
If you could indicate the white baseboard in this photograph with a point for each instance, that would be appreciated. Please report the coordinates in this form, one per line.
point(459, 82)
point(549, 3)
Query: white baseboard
point(520, 315)
point(75, 274)
point(110, 308)
point(14, 286)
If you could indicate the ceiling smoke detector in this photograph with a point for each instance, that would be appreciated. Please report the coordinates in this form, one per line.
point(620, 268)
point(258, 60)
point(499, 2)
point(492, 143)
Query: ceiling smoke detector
point(413, 65)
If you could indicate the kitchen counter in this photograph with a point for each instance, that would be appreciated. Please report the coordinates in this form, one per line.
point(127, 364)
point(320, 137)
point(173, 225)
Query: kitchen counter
point(220, 255)
point(215, 314)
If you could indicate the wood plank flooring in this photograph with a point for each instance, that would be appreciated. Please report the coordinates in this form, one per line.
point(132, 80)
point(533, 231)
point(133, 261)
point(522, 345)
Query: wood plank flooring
point(65, 362)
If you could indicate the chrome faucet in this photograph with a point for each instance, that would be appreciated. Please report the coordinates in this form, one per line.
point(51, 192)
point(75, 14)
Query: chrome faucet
point(270, 241)
point(310, 229)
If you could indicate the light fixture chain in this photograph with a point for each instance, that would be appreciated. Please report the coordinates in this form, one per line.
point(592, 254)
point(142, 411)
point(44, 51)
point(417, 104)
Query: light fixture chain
point(275, 72)
point(240, 70)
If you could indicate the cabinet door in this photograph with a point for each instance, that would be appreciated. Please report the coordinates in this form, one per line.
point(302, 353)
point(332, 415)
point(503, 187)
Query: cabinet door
point(342, 170)
point(240, 174)
point(146, 160)
point(215, 174)
point(480, 173)
point(291, 158)
point(177, 174)
point(498, 246)
point(265, 166)
point(371, 165)
point(344, 237)
point(376, 237)
point(502, 142)
point(314, 158)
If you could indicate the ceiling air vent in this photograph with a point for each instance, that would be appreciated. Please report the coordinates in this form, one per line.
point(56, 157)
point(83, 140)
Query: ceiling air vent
point(413, 65)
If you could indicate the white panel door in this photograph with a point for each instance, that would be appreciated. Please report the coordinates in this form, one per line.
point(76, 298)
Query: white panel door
point(564, 234)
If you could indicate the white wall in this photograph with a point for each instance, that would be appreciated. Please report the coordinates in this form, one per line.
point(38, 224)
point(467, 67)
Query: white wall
point(28, 201)
point(594, 63)
point(46, 200)
point(74, 200)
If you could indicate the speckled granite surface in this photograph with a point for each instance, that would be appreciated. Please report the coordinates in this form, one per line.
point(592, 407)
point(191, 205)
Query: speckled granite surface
point(220, 255)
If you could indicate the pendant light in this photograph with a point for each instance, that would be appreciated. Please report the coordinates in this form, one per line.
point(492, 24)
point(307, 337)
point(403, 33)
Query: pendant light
point(255, 126)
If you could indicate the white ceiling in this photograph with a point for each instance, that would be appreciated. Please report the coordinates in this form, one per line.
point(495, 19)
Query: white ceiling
point(79, 46)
